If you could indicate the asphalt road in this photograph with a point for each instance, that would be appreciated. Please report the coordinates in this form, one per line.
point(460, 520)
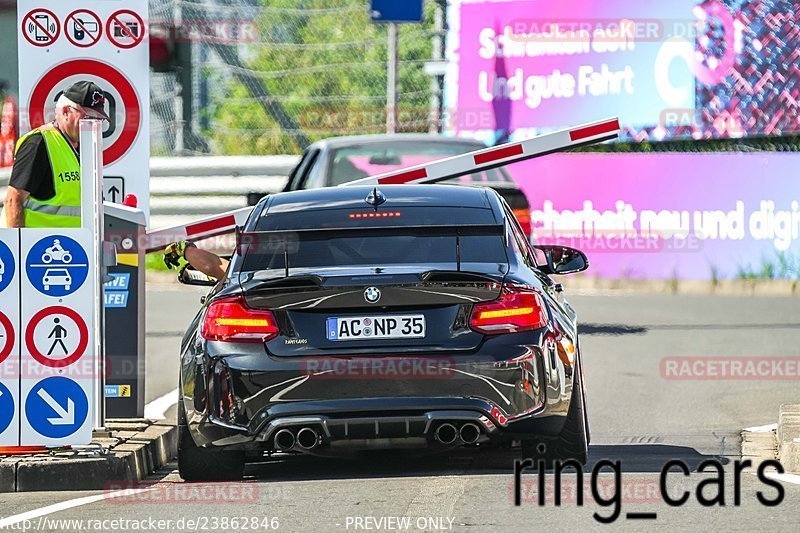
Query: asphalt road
point(641, 412)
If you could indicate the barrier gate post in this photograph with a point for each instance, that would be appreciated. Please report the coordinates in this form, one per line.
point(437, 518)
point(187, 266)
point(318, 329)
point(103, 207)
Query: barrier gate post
point(91, 160)
point(125, 313)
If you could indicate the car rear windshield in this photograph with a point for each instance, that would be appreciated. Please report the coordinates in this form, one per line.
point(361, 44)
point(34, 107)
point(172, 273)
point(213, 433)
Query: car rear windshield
point(348, 164)
point(304, 218)
point(346, 249)
point(379, 250)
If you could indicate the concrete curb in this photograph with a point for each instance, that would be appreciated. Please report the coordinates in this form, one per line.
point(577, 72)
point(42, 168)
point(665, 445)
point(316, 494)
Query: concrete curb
point(779, 441)
point(136, 449)
point(759, 446)
point(788, 437)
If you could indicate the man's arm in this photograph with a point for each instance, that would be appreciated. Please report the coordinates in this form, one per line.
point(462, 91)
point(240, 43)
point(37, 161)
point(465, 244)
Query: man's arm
point(201, 260)
point(206, 262)
point(30, 175)
point(13, 208)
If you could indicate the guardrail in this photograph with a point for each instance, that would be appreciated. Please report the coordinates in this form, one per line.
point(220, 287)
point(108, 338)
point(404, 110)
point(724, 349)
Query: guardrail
point(184, 188)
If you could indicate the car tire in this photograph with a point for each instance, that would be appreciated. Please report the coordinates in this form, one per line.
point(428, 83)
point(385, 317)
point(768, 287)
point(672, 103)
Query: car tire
point(199, 464)
point(572, 443)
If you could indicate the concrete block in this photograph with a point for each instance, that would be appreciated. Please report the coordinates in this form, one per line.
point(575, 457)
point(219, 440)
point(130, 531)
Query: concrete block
point(113, 421)
point(159, 437)
point(148, 447)
point(8, 476)
point(789, 423)
point(143, 461)
point(789, 456)
point(790, 408)
point(72, 474)
point(127, 426)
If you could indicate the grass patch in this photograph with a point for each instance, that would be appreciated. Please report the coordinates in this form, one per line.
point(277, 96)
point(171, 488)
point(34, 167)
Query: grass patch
point(784, 266)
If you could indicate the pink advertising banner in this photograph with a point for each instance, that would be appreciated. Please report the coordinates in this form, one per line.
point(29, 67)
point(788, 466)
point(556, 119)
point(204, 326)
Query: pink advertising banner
point(682, 68)
point(659, 216)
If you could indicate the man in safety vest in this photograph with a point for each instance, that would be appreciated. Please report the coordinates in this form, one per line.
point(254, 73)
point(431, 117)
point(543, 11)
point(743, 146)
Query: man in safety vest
point(45, 186)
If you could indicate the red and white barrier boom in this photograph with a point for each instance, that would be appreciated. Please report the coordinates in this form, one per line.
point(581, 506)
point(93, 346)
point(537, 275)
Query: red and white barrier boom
point(200, 229)
point(497, 156)
point(452, 167)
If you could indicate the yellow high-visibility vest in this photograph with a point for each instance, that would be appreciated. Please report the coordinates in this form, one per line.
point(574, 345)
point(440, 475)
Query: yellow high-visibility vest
point(63, 210)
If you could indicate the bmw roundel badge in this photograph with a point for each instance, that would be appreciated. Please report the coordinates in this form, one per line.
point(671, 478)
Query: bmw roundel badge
point(372, 294)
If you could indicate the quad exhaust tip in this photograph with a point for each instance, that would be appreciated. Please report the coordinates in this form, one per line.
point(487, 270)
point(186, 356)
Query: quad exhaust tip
point(284, 440)
point(470, 433)
point(307, 438)
point(446, 433)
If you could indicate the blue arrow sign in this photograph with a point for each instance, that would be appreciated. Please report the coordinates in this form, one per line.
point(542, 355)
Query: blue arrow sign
point(6, 407)
point(56, 407)
point(7, 266)
point(57, 265)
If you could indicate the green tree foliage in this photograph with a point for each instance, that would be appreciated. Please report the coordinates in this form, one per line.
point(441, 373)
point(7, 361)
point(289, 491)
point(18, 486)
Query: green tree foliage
point(324, 63)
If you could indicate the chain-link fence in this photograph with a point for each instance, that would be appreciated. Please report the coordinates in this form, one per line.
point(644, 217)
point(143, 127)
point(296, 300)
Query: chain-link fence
point(271, 76)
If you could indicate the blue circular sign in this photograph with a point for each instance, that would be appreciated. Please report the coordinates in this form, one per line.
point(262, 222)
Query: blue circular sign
point(7, 266)
point(6, 407)
point(56, 407)
point(57, 265)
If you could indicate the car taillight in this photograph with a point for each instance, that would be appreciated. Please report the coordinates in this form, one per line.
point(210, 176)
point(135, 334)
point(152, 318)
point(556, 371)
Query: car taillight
point(524, 219)
point(515, 310)
point(230, 319)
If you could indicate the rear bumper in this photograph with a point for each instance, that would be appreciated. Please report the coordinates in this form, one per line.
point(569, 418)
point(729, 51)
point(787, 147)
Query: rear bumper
point(251, 397)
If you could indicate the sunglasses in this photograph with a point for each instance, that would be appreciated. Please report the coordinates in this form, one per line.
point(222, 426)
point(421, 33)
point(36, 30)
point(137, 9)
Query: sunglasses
point(84, 114)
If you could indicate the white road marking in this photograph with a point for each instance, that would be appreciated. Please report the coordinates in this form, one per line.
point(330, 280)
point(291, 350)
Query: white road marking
point(69, 504)
point(155, 410)
point(762, 429)
point(437, 497)
point(786, 478)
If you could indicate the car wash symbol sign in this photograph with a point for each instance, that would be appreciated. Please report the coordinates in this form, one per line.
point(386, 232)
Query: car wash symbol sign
point(83, 28)
point(57, 266)
point(41, 27)
point(57, 336)
point(56, 407)
point(125, 28)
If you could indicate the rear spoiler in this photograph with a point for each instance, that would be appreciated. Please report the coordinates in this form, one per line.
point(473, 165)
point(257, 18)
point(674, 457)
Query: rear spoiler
point(280, 241)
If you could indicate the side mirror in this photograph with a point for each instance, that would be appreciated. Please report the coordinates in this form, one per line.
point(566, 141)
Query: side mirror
point(563, 259)
point(190, 276)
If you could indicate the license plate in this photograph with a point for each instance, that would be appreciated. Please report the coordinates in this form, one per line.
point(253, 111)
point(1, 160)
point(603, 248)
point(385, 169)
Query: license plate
point(376, 327)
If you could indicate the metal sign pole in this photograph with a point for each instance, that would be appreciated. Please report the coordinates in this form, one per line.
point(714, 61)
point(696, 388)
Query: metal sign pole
point(91, 144)
point(391, 80)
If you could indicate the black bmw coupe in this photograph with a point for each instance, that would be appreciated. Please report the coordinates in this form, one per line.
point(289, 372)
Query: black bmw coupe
point(404, 316)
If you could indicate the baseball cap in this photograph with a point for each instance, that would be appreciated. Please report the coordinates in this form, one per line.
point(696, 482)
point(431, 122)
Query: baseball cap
point(90, 96)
